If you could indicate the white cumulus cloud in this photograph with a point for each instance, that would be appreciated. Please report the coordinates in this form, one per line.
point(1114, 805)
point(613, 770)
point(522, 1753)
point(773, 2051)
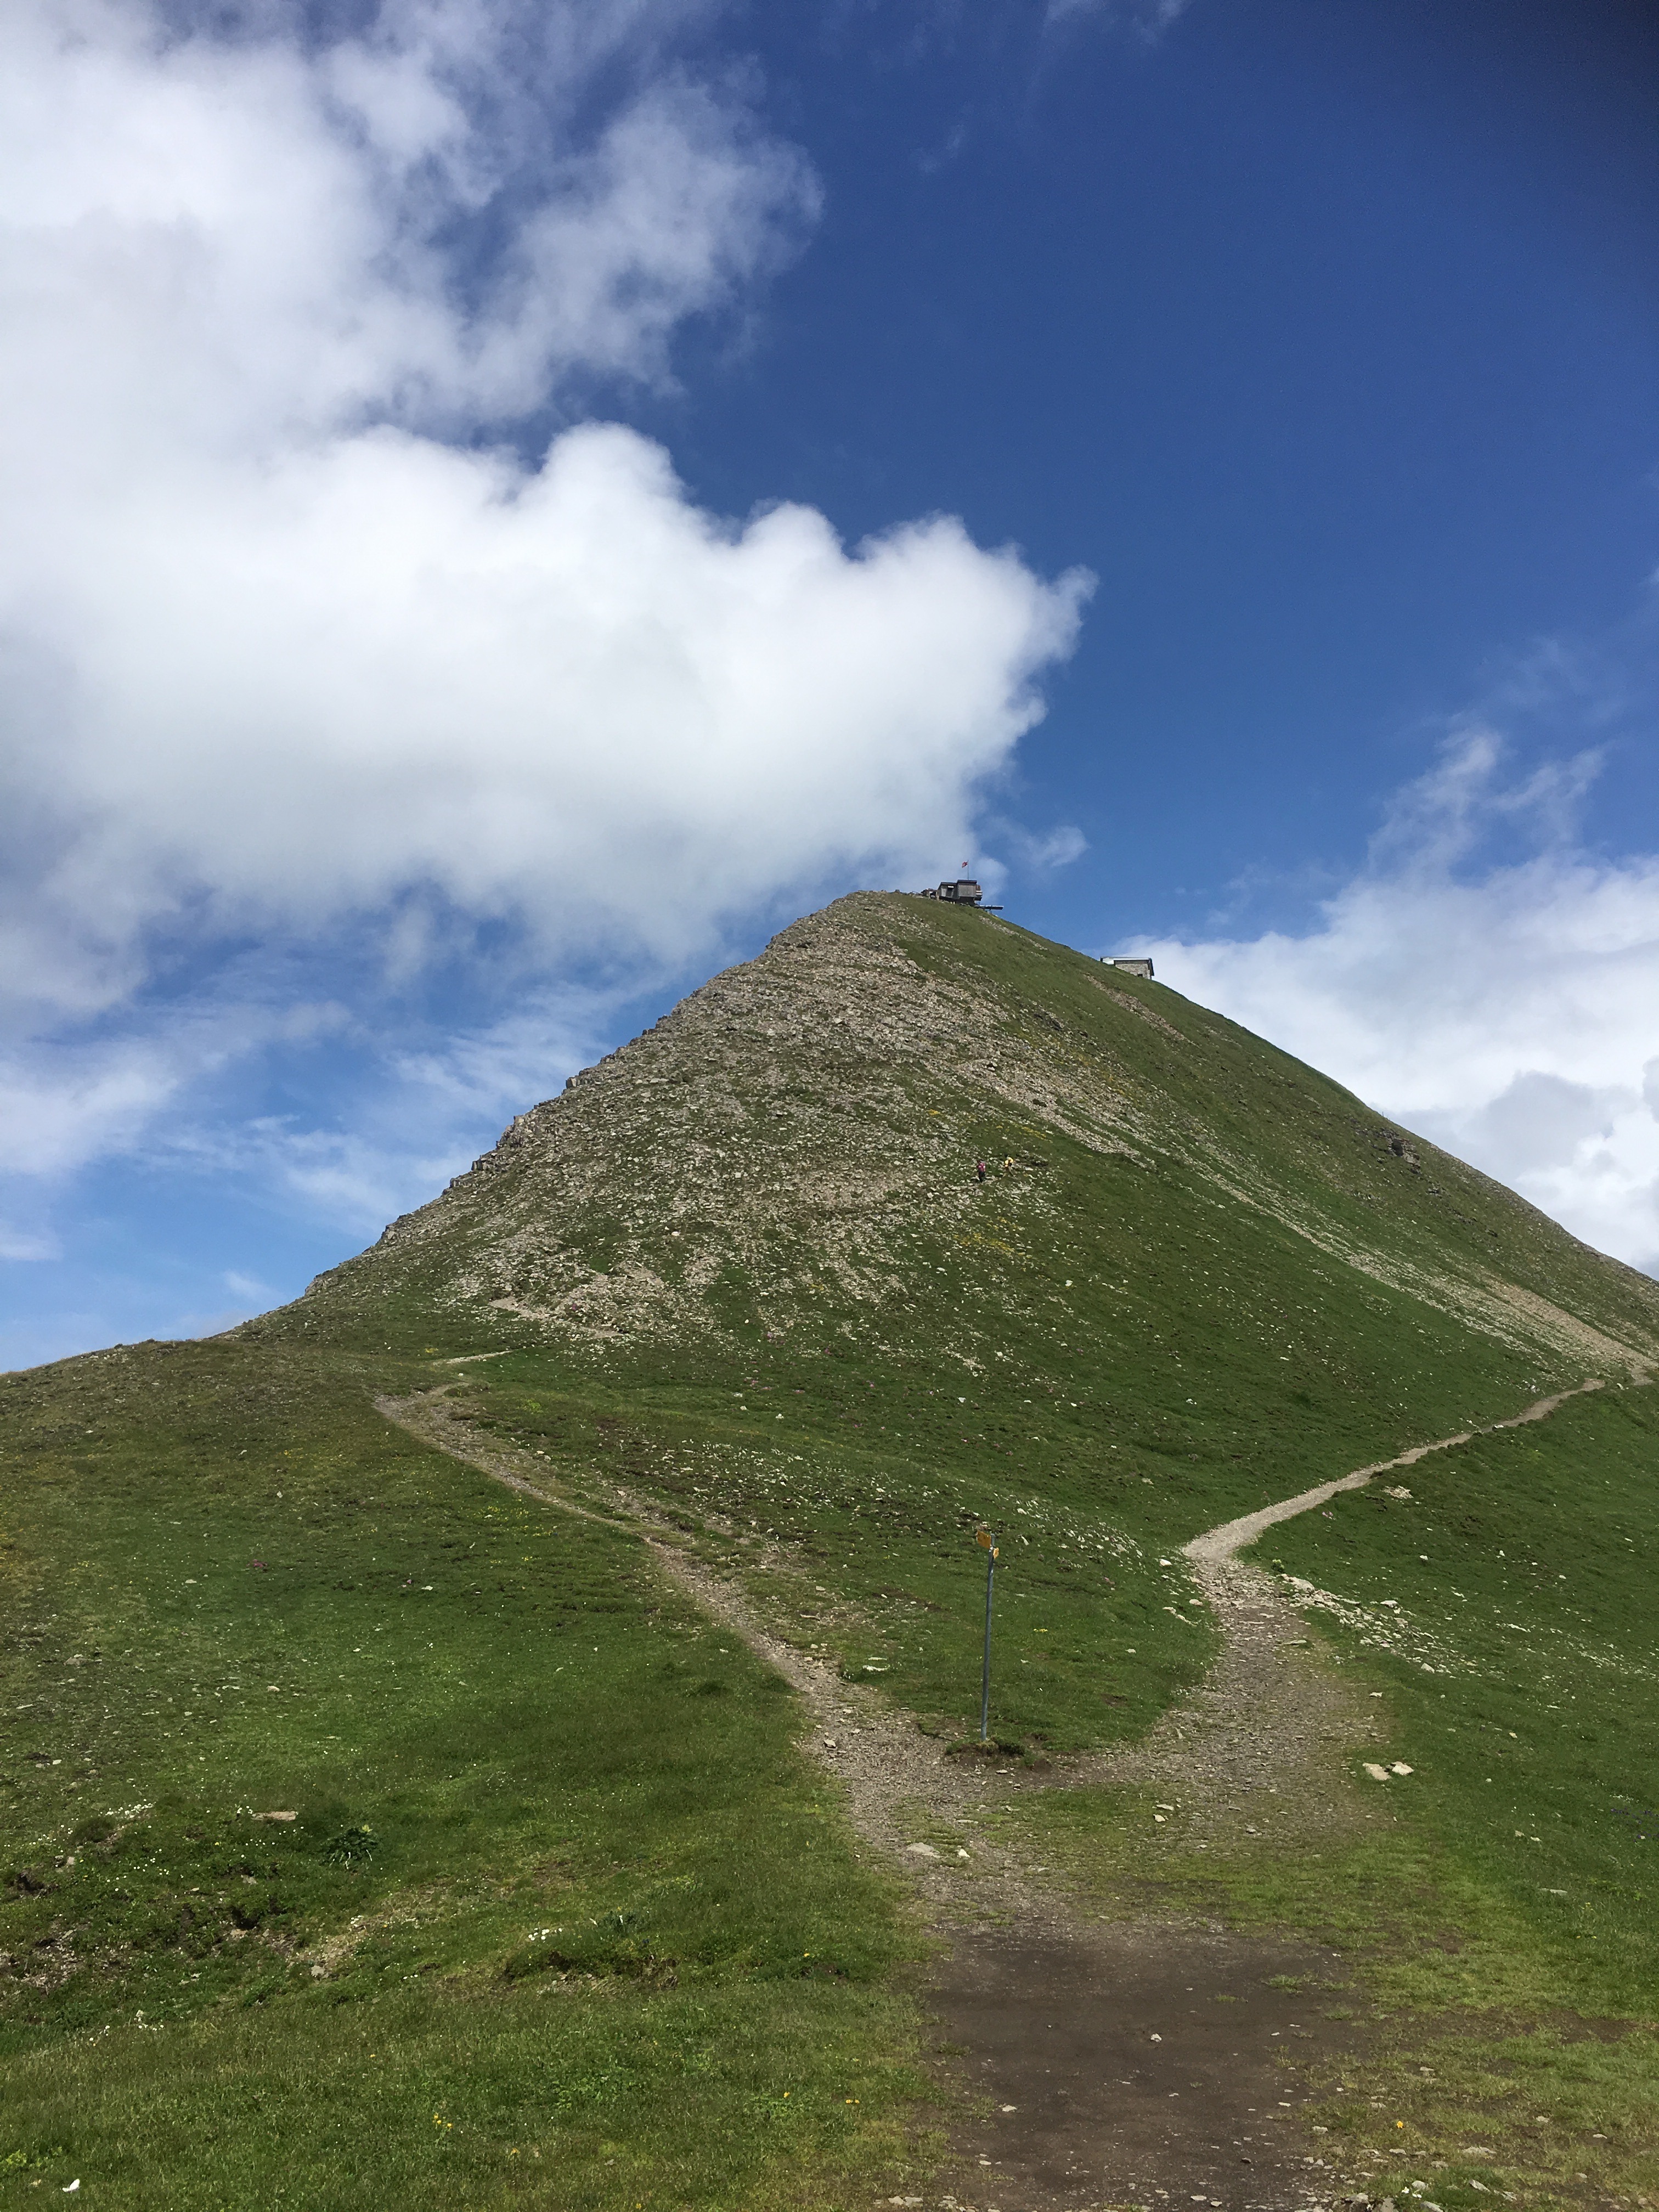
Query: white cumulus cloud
point(1507, 1011)
point(306, 645)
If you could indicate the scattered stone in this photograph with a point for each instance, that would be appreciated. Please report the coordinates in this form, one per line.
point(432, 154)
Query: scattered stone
point(1400, 1767)
point(1378, 1773)
point(922, 1850)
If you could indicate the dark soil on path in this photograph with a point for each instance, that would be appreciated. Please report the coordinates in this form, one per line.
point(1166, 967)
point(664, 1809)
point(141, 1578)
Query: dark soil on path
point(1140, 2064)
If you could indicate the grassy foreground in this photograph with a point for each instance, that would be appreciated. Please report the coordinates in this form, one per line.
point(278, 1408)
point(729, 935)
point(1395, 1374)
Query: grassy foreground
point(562, 1917)
point(559, 1915)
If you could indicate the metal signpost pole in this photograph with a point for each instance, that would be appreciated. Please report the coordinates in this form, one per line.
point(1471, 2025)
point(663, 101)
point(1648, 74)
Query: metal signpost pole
point(987, 1543)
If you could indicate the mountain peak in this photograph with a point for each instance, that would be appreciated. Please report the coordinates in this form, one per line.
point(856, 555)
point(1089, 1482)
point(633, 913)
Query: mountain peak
point(801, 1139)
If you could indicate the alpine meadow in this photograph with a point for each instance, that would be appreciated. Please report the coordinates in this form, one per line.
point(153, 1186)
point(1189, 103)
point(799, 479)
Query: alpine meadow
point(505, 1728)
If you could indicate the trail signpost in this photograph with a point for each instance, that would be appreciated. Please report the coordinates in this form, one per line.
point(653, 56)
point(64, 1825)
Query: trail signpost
point(987, 1544)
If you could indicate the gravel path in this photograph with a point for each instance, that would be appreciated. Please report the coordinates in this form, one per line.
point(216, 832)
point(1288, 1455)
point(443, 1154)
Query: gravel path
point(1268, 1744)
point(1269, 1723)
point(1105, 2075)
point(1216, 1546)
point(899, 1785)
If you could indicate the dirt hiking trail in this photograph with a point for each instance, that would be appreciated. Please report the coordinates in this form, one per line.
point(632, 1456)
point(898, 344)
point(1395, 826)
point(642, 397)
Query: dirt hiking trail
point(1266, 1747)
point(1100, 2084)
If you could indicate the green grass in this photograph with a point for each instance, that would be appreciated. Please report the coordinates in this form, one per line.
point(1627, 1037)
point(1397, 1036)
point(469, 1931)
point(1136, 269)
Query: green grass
point(1099, 1350)
point(727, 2098)
point(873, 1455)
point(592, 1932)
point(875, 1564)
point(1503, 1938)
point(1534, 1741)
point(564, 1874)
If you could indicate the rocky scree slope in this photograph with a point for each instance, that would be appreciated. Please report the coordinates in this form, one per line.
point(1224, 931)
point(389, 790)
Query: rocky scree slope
point(794, 1147)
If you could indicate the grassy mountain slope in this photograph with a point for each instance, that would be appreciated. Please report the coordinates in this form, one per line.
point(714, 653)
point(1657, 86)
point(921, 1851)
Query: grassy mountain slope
point(745, 1263)
point(792, 1144)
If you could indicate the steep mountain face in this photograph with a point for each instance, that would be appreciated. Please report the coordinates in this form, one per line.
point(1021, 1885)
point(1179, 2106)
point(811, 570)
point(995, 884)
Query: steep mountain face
point(795, 1147)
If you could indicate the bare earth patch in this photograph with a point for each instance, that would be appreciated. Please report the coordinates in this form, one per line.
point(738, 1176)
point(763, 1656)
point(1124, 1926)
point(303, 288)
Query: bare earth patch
point(1140, 2064)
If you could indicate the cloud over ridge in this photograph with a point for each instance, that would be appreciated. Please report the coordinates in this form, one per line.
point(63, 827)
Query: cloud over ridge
point(1505, 1011)
point(304, 638)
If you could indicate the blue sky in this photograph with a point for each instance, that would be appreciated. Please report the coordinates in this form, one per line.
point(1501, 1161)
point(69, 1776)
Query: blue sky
point(506, 505)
